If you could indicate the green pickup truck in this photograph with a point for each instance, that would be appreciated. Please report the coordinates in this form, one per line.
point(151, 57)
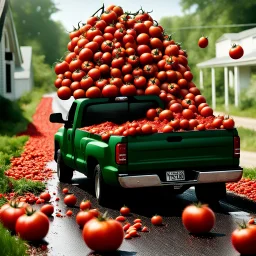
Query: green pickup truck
point(178, 160)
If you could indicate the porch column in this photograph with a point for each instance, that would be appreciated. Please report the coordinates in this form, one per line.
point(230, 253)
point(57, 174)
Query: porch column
point(226, 86)
point(201, 79)
point(213, 90)
point(237, 86)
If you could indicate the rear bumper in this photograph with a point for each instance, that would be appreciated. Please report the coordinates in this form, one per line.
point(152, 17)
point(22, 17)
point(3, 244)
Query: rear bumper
point(138, 181)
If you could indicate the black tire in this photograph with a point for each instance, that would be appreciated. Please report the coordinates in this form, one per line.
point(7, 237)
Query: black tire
point(103, 192)
point(210, 193)
point(64, 172)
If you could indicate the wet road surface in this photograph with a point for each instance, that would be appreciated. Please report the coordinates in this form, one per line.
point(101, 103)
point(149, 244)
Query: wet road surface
point(65, 239)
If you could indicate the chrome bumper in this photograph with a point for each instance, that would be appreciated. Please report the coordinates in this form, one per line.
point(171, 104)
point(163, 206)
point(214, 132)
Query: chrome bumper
point(140, 181)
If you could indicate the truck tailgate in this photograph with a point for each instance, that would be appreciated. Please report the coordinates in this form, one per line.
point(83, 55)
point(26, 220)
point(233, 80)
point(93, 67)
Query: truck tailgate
point(181, 150)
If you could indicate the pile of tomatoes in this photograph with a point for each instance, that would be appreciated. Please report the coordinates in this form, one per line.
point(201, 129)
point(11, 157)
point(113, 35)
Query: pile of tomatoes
point(119, 53)
point(164, 122)
point(122, 54)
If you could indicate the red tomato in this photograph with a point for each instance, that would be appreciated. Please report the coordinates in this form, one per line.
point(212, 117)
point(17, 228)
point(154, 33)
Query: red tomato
point(166, 114)
point(152, 90)
point(216, 123)
point(95, 212)
point(64, 93)
point(85, 204)
point(128, 90)
point(140, 82)
point(176, 108)
point(198, 219)
point(9, 214)
point(157, 220)
point(65, 190)
point(125, 210)
point(84, 216)
point(47, 209)
point(79, 93)
point(70, 200)
point(236, 51)
point(167, 128)
point(243, 239)
point(151, 114)
point(206, 111)
point(61, 68)
point(201, 106)
point(109, 17)
point(46, 196)
point(103, 235)
point(175, 123)
point(146, 129)
point(228, 123)
point(33, 226)
point(69, 213)
point(184, 124)
point(94, 73)
point(203, 42)
point(121, 218)
point(172, 50)
point(188, 113)
point(200, 127)
point(93, 92)
point(199, 99)
point(110, 90)
point(85, 54)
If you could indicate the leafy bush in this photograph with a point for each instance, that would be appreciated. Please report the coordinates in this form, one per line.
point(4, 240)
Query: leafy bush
point(11, 245)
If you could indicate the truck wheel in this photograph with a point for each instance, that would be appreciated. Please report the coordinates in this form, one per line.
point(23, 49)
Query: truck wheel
point(210, 193)
point(64, 172)
point(102, 190)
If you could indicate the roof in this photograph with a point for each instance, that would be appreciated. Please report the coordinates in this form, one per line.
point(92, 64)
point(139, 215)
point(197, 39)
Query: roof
point(3, 11)
point(248, 59)
point(238, 36)
point(24, 71)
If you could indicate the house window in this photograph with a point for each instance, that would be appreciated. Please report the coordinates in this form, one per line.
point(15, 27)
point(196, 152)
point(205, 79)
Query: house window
point(8, 78)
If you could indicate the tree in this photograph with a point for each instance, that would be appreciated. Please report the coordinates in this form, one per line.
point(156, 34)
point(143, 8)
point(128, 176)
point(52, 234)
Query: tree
point(33, 22)
point(208, 12)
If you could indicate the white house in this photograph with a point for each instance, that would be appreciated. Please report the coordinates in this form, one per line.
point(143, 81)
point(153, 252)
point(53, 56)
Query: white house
point(237, 73)
point(16, 75)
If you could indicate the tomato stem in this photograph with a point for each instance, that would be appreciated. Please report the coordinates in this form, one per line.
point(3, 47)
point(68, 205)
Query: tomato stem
point(101, 8)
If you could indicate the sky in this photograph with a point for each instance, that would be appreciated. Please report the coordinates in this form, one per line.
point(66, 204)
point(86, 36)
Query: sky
point(73, 11)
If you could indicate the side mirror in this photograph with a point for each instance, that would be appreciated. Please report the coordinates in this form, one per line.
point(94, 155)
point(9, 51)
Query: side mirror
point(57, 118)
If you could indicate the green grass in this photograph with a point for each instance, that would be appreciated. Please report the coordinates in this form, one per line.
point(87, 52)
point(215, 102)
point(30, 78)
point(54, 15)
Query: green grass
point(24, 185)
point(249, 173)
point(11, 245)
point(247, 139)
point(16, 116)
point(234, 111)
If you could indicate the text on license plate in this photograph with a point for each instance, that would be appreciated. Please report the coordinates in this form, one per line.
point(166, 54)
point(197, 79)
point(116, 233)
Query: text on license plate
point(175, 175)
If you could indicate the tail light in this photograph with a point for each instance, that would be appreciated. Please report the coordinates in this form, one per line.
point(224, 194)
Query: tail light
point(237, 147)
point(121, 153)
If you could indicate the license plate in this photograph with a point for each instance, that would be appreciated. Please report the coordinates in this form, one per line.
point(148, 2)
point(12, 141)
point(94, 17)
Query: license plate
point(175, 175)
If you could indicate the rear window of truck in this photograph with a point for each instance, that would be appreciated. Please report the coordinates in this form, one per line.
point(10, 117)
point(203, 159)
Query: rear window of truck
point(117, 112)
